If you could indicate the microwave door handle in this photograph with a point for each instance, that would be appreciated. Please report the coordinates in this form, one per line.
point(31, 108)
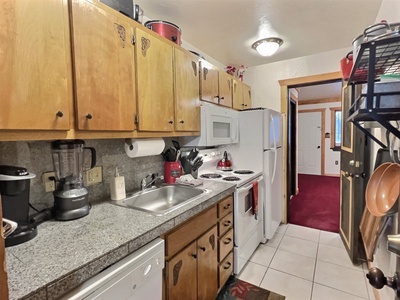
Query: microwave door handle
point(234, 130)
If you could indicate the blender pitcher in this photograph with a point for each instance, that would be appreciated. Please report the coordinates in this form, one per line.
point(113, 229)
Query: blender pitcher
point(70, 196)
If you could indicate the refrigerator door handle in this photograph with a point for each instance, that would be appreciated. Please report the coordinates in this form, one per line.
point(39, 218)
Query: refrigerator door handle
point(273, 130)
point(275, 162)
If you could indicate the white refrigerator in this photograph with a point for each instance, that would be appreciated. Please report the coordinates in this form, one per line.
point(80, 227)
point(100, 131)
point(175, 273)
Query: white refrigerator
point(260, 149)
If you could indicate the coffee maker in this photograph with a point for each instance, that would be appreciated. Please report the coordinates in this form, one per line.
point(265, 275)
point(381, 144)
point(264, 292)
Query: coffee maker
point(70, 196)
point(14, 191)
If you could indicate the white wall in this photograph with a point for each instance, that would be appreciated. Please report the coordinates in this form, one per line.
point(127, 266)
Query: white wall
point(263, 79)
point(330, 155)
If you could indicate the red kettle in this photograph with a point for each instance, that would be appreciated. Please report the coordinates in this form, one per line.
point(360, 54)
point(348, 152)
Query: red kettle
point(224, 164)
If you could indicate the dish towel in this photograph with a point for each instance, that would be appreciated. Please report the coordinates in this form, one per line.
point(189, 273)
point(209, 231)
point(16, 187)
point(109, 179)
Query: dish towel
point(255, 199)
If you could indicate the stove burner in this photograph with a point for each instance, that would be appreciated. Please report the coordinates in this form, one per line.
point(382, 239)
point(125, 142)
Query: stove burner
point(211, 175)
point(243, 172)
point(231, 178)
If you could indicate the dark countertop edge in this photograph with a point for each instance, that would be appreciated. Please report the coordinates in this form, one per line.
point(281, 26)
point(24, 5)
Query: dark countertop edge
point(147, 237)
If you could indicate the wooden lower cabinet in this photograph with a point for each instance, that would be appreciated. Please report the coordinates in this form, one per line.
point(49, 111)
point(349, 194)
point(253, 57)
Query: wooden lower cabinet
point(202, 263)
point(193, 272)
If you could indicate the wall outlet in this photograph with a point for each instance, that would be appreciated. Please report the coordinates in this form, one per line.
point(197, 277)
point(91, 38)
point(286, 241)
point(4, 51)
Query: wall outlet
point(94, 175)
point(336, 162)
point(48, 184)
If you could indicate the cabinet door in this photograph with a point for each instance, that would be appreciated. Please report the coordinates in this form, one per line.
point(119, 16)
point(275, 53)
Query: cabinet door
point(155, 83)
point(208, 82)
point(246, 96)
point(35, 72)
point(187, 100)
point(225, 89)
point(207, 265)
point(181, 281)
point(104, 69)
point(237, 94)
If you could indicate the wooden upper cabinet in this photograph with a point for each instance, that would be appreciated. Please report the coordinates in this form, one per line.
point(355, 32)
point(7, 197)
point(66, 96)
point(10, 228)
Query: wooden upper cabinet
point(35, 60)
point(237, 94)
point(246, 95)
point(209, 82)
point(155, 82)
point(187, 100)
point(104, 69)
point(225, 89)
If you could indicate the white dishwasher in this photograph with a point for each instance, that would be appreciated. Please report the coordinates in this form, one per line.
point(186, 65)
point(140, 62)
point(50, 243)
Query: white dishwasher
point(137, 276)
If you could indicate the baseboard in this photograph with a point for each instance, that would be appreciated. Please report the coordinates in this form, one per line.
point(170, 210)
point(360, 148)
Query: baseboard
point(331, 175)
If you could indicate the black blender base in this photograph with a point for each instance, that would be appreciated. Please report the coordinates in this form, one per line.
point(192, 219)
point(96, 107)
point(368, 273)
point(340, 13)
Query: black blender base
point(20, 237)
point(72, 214)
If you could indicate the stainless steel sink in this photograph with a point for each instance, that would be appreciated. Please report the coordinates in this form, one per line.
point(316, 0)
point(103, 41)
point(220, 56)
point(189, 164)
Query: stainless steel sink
point(161, 200)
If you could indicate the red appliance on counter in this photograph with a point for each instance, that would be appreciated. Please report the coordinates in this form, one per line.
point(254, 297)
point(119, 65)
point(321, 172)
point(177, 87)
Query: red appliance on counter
point(165, 29)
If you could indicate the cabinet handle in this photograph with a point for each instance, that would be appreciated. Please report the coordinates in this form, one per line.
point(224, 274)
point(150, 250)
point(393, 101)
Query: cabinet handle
point(227, 223)
point(89, 116)
point(228, 265)
point(227, 206)
point(171, 122)
point(181, 121)
point(59, 114)
point(194, 255)
point(227, 241)
point(205, 72)
point(203, 248)
point(194, 66)
point(245, 105)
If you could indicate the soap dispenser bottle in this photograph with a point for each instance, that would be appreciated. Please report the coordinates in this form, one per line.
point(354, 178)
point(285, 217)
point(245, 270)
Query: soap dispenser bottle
point(117, 186)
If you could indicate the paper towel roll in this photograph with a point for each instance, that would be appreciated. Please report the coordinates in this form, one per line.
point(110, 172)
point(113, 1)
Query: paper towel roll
point(145, 147)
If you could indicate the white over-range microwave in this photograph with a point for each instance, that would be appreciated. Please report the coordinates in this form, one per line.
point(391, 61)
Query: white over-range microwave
point(219, 126)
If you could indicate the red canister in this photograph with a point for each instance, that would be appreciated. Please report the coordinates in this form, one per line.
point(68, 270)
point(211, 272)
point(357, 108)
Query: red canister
point(172, 171)
point(346, 64)
point(165, 29)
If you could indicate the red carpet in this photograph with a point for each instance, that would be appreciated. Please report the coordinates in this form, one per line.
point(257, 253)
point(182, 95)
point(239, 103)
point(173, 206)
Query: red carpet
point(317, 204)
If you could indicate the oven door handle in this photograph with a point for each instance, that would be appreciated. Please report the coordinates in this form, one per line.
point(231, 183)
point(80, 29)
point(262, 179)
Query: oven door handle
point(248, 187)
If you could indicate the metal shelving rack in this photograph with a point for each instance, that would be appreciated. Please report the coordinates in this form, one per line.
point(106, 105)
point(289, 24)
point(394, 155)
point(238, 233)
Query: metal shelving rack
point(374, 59)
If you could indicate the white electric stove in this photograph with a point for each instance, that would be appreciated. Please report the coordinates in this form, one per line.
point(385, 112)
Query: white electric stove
point(248, 227)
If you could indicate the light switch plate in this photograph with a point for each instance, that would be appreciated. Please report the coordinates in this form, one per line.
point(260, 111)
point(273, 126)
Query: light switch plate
point(94, 176)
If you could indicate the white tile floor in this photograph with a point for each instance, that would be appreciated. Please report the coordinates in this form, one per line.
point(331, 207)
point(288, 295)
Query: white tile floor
point(305, 263)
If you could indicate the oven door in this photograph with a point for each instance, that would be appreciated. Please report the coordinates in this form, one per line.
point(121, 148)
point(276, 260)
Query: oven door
point(244, 219)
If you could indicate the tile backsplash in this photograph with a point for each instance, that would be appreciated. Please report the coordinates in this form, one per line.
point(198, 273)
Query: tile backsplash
point(36, 157)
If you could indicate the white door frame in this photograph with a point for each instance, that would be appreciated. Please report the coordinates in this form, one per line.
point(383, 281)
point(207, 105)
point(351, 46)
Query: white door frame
point(322, 111)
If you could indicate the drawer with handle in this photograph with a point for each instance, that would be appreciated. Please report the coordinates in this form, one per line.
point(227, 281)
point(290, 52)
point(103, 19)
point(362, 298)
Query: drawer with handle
point(225, 245)
point(225, 207)
point(225, 270)
point(225, 224)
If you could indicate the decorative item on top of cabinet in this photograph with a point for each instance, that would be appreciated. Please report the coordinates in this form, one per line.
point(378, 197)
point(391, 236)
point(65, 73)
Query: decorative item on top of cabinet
point(187, 101)
point(35, 73)
point(154, 74)
point(209, 82)
point(104, 68)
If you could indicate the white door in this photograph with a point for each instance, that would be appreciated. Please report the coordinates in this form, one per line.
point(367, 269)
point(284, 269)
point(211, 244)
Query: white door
point(309, 143)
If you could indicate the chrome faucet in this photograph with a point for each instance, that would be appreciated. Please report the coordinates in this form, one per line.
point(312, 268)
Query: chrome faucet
point(152, 177)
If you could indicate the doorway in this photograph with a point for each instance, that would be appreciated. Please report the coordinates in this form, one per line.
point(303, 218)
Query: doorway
point(290, 107)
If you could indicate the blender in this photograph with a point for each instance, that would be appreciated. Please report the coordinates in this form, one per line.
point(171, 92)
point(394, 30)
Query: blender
point(70, 196)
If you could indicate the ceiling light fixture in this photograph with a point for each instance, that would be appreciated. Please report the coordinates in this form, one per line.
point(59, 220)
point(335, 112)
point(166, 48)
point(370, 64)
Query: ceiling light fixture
point(267, 46)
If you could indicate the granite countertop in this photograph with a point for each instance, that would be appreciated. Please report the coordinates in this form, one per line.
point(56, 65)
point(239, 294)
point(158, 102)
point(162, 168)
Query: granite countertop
point(65, 254)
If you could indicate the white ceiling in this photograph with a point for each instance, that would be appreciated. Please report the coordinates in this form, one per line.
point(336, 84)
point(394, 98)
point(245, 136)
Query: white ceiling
point(226, 29)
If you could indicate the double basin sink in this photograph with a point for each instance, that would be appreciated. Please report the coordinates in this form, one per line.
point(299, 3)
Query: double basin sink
point(161, 200)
